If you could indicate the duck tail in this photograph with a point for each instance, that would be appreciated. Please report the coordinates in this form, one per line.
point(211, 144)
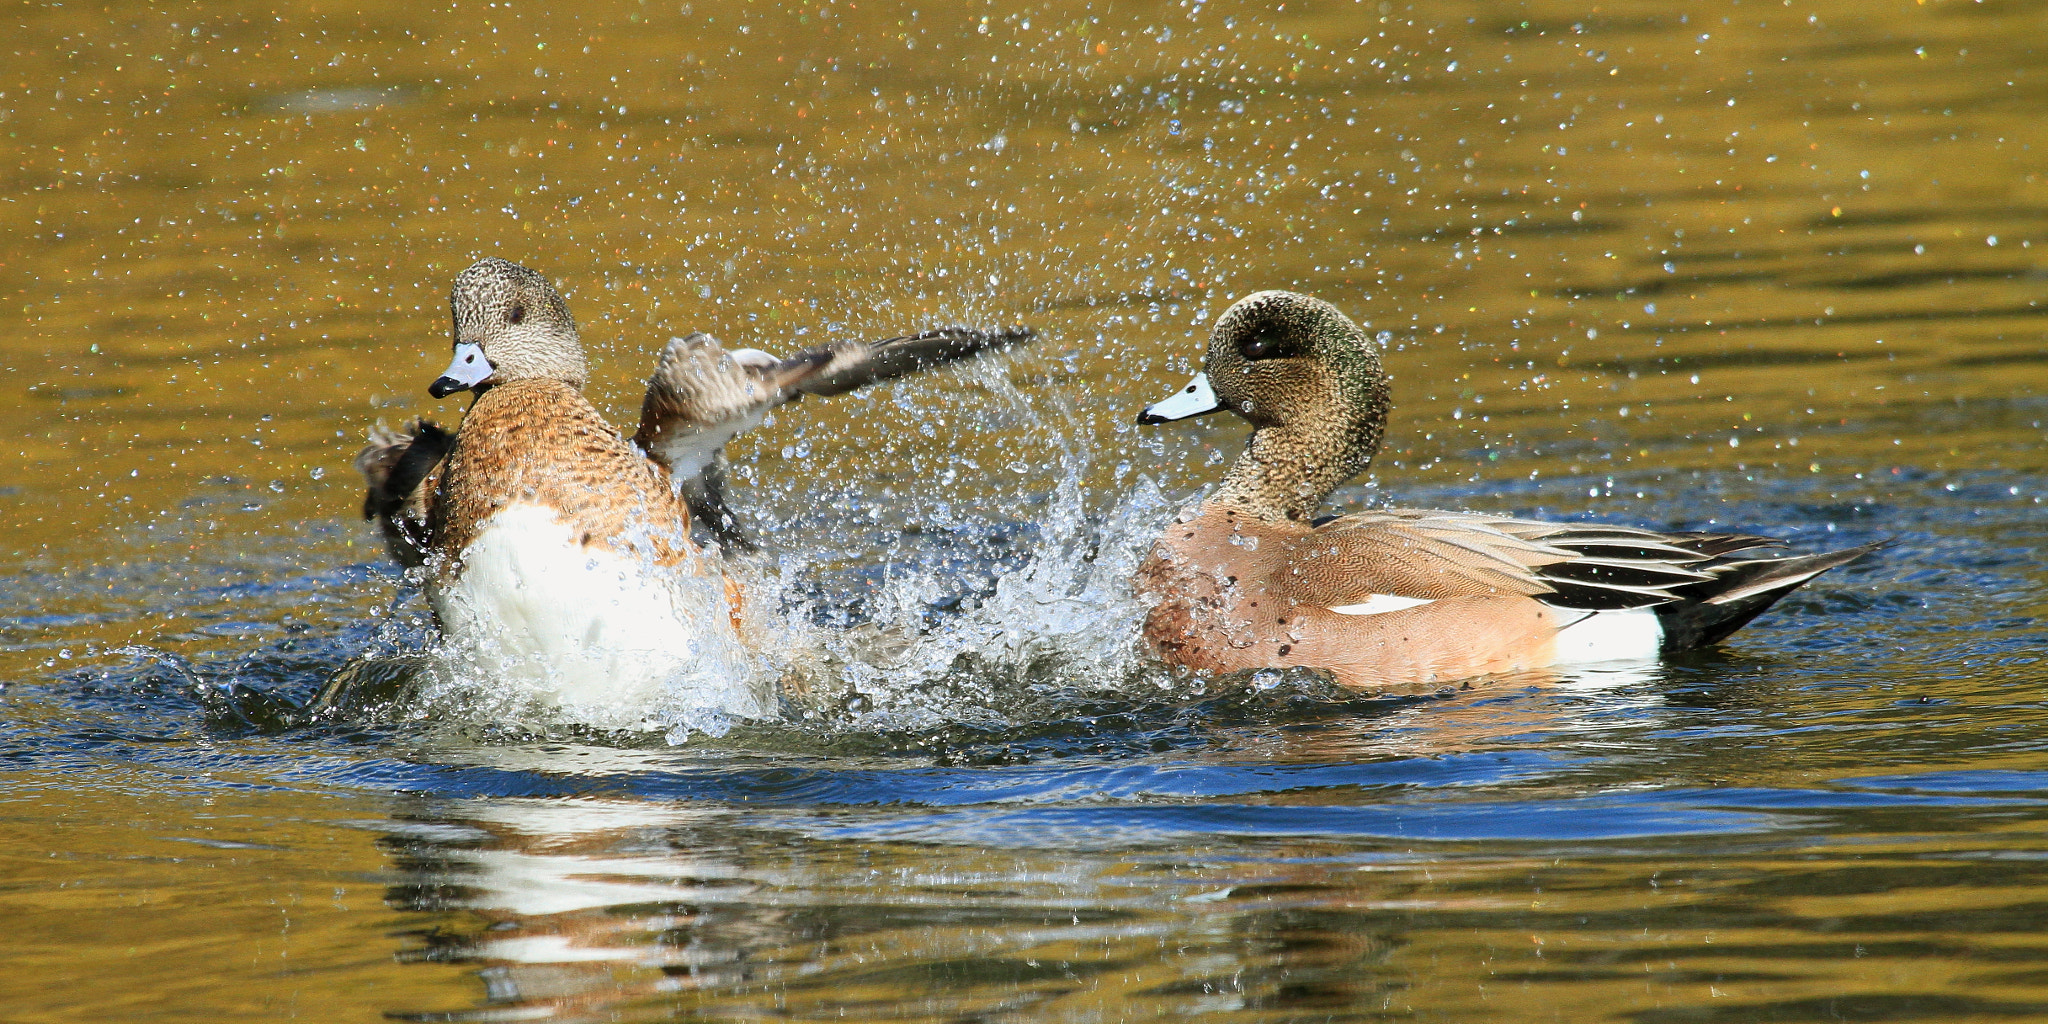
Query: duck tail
point(1708, 611)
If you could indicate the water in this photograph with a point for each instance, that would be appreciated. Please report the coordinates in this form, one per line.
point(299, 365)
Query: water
point(1760, 267)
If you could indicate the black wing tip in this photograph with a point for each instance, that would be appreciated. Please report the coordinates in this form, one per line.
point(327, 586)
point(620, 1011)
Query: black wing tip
point(807, 360)
point(1697, 619)
point(424, 429)
point(1016, 331)
point(901, 356)
point(969, 339)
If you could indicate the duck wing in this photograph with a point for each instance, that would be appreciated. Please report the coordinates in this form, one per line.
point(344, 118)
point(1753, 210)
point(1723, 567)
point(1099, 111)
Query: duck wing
point(1428, 555)
point(1702, 586)
point(702, 395)
point(857, 364)
point(400, 468)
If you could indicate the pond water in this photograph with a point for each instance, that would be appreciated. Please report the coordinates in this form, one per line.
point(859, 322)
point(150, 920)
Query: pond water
point(1759, 266)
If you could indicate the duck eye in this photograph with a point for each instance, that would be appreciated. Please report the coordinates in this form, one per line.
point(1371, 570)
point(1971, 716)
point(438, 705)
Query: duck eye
point(1267, 345)
point(517, 314)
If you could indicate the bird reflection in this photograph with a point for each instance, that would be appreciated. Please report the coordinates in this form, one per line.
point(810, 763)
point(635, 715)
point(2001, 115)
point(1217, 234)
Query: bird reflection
point(572, 907)
point(771, 900)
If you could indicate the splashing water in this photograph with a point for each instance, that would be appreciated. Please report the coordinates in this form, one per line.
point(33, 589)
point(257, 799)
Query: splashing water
point(1061, 620)
point(1066, 620)
point(1058, 617)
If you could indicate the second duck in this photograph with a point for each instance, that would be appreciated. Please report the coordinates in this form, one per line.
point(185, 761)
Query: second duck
point(1252, 579)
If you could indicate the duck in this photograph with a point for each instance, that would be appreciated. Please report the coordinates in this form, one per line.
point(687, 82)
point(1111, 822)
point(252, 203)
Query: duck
point(1251, 577)
point(700, 397)
point(555, 551)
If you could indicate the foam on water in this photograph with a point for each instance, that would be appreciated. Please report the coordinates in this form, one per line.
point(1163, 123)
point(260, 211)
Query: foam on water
point(592, 635)
point(1058, 617)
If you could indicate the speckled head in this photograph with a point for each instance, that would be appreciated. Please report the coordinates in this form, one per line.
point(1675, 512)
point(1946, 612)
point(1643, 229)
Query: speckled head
point(1308, 378)
point(1277, 357)
point(509, 324)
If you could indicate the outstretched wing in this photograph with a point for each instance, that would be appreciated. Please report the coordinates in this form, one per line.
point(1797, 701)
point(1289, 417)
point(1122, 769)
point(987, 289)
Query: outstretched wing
point(857, 364)
point(703, 395)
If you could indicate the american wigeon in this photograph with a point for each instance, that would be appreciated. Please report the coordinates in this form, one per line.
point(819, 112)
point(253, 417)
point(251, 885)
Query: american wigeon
point(557, 555)
point(1396, 597)
point(557, 552)
point(702, 395)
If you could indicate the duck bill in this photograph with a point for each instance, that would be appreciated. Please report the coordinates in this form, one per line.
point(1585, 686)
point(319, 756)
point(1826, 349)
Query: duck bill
point(469, 369)
point(1197, 399)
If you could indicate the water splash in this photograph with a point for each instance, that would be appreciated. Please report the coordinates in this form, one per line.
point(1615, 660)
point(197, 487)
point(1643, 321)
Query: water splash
point(1057, 618)
point(989, 622)
point(1064, 623)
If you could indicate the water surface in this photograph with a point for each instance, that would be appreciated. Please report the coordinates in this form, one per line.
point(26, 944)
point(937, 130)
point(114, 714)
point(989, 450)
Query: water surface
point(1747, 266)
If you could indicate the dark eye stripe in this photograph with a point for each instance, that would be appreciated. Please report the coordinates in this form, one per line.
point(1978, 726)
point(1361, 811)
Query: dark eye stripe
point(1265, 345)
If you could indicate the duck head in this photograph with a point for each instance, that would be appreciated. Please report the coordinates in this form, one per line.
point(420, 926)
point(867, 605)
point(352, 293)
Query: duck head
point(510, 324)
point(1307, 378)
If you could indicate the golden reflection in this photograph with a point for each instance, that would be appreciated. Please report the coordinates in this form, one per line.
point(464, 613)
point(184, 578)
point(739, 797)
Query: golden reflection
point(615, 909)
point(1625, 258)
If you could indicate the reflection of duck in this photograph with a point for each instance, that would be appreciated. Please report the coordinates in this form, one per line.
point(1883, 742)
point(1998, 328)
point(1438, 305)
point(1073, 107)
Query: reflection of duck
point(579, 905)
point(606, 909)
point(557, 550)
point(1390, 596)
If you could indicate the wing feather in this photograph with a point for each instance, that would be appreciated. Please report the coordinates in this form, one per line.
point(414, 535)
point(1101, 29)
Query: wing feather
point(702, 395)
point(1426, 555)
point(1429, 554)
point(857, 364)
point(401, 468)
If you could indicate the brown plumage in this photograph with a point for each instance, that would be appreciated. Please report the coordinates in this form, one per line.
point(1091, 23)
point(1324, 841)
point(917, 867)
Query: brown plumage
point(700, 396)
point(540, 442)
point(531, 437)
point(555, 553)
point(1391, 597)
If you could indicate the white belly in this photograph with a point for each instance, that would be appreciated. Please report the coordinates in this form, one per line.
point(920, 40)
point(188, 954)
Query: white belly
point(603, 639)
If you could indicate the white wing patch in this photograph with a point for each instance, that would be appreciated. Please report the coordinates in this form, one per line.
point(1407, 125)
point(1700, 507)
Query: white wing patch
point(1380, 604)
point(1609, 636)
